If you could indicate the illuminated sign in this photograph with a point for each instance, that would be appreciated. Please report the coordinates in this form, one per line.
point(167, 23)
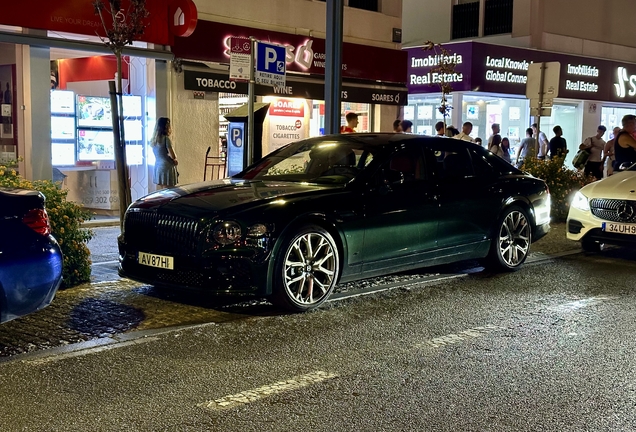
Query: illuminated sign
point(579, 84)
point(436, 60)
point(482, 68)
point(509, 66)
point(623, 80)
point(583, 70)
point(301, 55)
point(182, 17)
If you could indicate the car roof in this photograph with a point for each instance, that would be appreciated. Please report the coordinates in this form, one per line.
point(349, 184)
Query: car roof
point(382, 138)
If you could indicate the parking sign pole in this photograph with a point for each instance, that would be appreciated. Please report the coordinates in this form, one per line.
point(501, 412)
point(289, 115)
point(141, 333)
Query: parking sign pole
point(250, 108)
point(333, 65)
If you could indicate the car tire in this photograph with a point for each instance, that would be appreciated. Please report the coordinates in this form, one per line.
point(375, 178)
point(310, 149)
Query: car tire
point(511, 240)
point(306, 270)
point(591, 246)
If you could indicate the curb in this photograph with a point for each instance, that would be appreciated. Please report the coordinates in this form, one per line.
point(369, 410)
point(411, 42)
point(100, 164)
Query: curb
point(97, 223)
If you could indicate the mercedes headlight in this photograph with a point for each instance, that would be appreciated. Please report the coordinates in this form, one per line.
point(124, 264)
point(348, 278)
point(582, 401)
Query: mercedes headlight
point(581, 202)
point(226, 233)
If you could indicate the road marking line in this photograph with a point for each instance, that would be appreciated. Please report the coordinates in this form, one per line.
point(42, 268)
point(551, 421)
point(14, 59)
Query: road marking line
point(254, 395)
point(462, 336)
point(578, 304)
point(81, 353)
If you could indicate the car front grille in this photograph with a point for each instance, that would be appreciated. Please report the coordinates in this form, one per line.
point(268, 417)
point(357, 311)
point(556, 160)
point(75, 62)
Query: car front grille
point(614, 210)
point(161, 234)
point(183, 278)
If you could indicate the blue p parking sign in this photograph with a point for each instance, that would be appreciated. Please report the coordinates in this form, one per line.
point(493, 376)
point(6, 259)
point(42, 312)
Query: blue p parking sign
point(270, 64)
point(235, 148)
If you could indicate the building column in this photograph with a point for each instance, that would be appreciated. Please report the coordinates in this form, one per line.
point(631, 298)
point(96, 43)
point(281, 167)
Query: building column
point(457, 111)
point(34, 113)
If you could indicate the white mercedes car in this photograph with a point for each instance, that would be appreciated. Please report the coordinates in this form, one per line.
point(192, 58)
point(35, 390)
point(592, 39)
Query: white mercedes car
point(604, 212)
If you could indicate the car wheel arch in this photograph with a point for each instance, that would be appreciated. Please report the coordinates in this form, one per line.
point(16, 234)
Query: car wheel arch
point(317, 219)
point(522, 202)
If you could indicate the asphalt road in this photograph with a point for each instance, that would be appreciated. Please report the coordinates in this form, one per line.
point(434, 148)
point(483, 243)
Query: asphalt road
point(547, 348)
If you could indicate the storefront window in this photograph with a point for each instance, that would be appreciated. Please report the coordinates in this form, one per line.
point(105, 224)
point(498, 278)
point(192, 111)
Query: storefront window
point(317, 123)
point(424, 113)
point(568, 116)
point(612, 117)
point(484, 110)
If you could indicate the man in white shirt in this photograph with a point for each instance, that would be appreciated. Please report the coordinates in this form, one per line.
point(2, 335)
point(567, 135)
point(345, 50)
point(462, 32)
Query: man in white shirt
point(464, 135)
point(542, 140)
point(495, 131)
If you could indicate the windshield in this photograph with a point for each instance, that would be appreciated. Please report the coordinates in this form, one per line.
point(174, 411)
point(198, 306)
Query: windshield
point(318, 160)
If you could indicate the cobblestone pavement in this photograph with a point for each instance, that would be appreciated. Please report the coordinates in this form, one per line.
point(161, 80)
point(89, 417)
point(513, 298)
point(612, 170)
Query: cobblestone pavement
point(111, 305)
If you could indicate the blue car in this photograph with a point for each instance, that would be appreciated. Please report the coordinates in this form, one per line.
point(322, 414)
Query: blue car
point(30, 258)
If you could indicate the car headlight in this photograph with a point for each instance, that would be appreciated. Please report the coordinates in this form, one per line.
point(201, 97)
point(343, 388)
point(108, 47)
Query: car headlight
point(226, 233)
point(258, 230)
point(581, 202)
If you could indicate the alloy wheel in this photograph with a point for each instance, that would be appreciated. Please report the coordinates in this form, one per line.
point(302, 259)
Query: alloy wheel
point(514, 238)
point(310, 268)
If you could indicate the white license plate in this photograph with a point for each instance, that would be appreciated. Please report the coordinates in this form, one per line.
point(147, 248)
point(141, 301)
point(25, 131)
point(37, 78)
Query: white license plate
point(619, 228)
point(154, 260)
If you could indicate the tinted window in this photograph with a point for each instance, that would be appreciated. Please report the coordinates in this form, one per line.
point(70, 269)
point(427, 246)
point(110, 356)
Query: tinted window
point(481, 166)
point(452, 159)
point(403, 167)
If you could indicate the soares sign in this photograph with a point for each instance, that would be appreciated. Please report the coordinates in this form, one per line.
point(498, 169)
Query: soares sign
point(216, 82)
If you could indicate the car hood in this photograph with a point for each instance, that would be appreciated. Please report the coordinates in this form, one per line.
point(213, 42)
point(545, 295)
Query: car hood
point(204, 198)
point(621, 185)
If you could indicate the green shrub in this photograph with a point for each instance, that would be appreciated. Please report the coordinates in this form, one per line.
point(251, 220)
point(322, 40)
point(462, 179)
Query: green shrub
point(66, 218)
point(562, 182)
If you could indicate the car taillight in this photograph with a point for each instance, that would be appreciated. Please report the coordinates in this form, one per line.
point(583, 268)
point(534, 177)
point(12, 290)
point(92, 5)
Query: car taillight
point(38, 221)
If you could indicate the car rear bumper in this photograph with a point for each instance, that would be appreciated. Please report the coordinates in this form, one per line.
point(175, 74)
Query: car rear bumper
point(30, 281)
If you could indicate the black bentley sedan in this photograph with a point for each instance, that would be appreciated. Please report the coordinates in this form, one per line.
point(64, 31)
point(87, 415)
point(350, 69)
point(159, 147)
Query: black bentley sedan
point(335, 209)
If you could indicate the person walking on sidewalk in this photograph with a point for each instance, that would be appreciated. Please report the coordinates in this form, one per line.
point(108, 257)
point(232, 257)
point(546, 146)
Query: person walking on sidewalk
point(165, 174)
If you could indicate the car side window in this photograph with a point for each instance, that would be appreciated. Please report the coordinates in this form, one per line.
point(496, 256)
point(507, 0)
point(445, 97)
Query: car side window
point(404, 167)
point(481, 166)
point(457, 164)
point(453, 163)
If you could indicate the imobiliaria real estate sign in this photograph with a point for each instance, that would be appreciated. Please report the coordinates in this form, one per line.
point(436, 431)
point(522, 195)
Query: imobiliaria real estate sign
point(497, 69)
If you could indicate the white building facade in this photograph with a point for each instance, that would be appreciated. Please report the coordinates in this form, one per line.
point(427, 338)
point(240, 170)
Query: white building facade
point(593, 42)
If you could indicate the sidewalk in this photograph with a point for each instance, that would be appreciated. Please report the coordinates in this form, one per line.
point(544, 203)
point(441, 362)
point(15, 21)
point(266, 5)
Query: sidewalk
point(101, 221)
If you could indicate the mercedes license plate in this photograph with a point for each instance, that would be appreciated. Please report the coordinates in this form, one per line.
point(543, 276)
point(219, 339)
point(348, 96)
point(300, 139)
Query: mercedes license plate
point(619, 228)
point(154, 260)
